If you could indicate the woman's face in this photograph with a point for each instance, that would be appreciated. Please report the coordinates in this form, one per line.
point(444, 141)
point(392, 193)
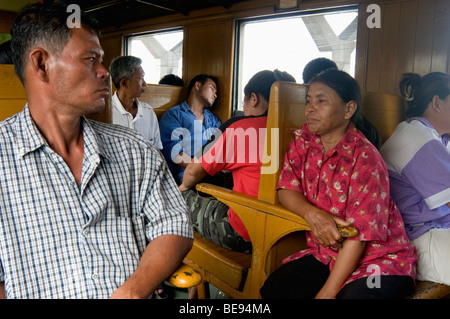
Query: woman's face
point(325, 112)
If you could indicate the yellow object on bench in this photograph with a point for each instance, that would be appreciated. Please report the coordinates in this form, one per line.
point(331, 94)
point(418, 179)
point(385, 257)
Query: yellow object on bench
point(185, 277)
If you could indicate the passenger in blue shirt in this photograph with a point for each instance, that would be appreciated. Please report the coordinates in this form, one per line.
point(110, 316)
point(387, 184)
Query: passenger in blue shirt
point(187, 126)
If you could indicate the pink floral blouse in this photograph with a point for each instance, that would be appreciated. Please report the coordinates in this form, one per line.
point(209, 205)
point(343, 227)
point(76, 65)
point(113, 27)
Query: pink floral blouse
point(351, 182)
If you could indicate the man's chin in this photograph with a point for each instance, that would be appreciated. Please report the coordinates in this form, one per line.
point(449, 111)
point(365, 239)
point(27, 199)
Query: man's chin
point(97, 109)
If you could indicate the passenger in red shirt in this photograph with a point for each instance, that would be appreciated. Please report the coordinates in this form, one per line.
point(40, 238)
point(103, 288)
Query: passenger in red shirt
point(238, 149)
point(332, 176)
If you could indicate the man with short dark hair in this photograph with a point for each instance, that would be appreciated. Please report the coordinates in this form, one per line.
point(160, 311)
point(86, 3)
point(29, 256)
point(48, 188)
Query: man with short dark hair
point(89, 211)
point(186, 127)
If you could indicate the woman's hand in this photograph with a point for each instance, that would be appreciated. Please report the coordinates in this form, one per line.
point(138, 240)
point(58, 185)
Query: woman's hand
point(324, 227)
point(323, 224)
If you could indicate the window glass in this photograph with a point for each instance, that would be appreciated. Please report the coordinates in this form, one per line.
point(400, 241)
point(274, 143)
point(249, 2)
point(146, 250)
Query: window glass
point(161, 53)
point(289, 43)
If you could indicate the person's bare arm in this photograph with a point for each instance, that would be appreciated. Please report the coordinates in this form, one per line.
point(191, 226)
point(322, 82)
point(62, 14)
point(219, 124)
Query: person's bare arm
point(193, 174)
point(162, 256)
point(346, 262)
point(2, 290)
point(323, 224)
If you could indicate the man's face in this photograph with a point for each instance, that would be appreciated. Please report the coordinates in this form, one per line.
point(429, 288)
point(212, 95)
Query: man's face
point(78, 75)
point(208, 92)
point(136, 86)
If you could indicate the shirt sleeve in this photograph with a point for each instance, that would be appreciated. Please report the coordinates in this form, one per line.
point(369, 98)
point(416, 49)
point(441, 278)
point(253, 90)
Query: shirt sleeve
point(369, 204)
point(171, 136)
point(164, 206)
point(156, 131)
point(431, 180)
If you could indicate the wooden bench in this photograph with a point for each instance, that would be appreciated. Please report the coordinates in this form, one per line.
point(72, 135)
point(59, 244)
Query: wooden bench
point(384, 111)
point(275, 232)
point(163, 97)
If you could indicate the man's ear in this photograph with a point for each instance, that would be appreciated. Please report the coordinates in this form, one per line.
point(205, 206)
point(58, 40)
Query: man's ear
point(38, 62)
point(350, 109)
point(123, 83)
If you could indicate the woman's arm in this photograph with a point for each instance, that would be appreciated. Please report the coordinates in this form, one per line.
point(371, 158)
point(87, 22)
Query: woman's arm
point(346, 262)
point(323, 224)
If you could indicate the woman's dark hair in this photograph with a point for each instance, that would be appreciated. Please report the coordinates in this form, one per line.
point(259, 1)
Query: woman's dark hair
point(261, 82)
point(348, 89)
point(317, 66)
point(171, 79)
point(419, 91)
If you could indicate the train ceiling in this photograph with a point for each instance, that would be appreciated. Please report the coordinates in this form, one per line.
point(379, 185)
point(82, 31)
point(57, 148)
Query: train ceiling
point(118, 12)
point(114, 13)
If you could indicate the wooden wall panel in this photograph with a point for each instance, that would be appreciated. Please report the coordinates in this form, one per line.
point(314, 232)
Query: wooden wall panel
point(441, 36)
point(414, 37)
point(406, 40)
point(6, 20)
point(423, 50)
point(208, 49)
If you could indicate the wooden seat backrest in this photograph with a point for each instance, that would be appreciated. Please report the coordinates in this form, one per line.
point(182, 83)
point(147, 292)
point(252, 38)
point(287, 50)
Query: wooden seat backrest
point(385, 111)
point(13, 96)
point(286, 114)
point(162, 97)
point(12, 92)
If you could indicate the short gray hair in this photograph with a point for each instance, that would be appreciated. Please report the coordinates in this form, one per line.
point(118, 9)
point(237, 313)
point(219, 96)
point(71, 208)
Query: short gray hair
point(123, 67)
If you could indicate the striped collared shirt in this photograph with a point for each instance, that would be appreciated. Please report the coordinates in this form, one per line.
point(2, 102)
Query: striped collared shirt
point(61, 240)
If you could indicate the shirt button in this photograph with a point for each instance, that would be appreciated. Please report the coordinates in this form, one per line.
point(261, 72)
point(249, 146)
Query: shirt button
point(94, 276)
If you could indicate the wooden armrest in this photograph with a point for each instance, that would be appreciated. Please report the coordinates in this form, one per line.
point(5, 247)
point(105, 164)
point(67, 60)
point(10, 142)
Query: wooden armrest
point(272, 209)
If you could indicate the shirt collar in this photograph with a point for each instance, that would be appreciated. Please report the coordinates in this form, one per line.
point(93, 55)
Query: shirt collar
point(32, 139)
point(346, 145)
point(444, 138)
point(185, 107)
point(118, 105)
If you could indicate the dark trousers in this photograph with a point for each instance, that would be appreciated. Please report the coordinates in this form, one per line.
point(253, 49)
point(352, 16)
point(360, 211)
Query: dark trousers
point(304, 277)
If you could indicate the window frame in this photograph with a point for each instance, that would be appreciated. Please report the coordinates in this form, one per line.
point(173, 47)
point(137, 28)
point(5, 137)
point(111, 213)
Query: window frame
point(239, 23)
point(128, 37)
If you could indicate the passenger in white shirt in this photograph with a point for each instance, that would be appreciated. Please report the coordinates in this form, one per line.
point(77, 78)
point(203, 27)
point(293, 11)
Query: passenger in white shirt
point(128, 78)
